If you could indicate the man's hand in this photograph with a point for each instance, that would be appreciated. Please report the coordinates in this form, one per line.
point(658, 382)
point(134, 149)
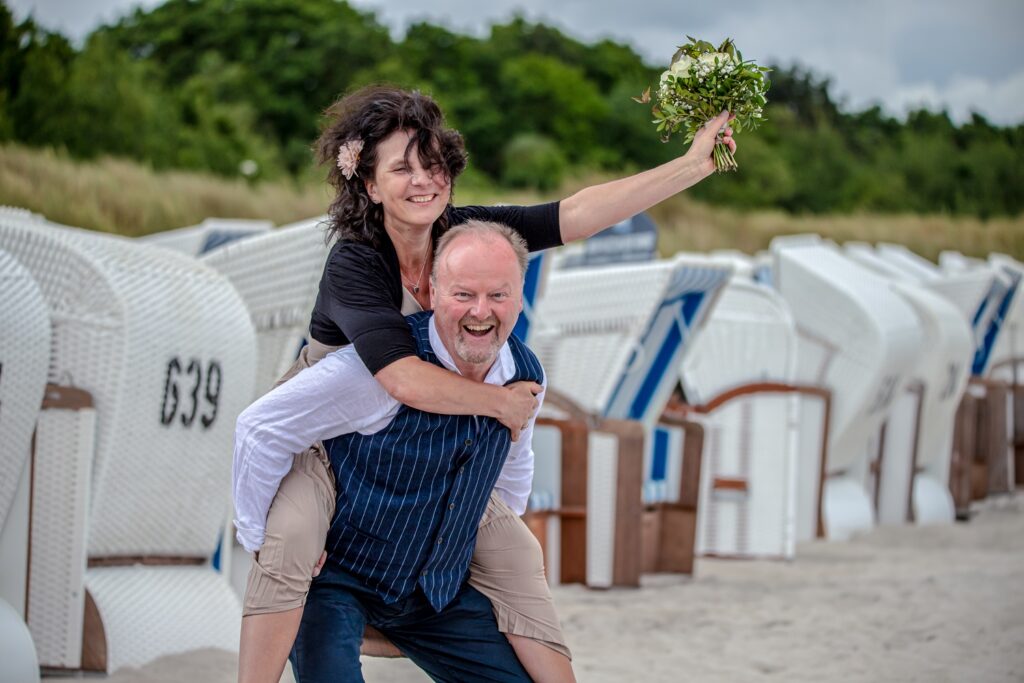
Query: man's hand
point(520, 405)
point(319, 564)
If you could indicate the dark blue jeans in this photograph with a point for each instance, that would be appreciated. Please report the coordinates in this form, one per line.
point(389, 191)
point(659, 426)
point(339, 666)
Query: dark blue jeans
point(460, 643)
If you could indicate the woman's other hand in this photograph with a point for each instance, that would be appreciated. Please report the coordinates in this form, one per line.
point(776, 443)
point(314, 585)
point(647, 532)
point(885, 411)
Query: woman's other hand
point(520, 405)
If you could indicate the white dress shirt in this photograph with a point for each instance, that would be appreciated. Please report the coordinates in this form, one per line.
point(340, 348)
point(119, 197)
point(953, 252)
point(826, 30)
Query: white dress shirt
point(339, 396)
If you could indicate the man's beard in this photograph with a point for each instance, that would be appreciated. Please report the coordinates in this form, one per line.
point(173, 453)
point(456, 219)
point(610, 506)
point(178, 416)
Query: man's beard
point(477, 355)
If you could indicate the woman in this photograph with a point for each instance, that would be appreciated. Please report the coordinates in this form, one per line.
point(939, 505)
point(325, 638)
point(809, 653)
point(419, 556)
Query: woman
point(393, 165)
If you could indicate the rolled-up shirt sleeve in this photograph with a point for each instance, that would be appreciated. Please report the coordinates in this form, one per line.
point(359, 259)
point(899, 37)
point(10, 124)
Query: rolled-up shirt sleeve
point(336, 396)
point(516, 478)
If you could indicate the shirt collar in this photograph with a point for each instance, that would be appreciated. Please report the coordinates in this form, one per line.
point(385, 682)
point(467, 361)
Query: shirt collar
point(501, 372)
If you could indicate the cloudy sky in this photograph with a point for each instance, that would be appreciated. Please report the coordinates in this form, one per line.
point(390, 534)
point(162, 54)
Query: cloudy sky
point(955, 54)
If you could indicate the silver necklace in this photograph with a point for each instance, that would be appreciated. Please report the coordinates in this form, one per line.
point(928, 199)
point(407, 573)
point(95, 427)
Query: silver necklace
point(416, 287)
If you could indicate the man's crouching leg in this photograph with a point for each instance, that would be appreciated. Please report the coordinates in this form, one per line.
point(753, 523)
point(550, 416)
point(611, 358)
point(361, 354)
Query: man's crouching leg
point(460, 643)
point(281, 571)
point(327, 647)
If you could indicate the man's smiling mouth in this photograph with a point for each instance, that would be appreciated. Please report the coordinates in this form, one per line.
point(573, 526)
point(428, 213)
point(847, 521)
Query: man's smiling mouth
point(477, 329)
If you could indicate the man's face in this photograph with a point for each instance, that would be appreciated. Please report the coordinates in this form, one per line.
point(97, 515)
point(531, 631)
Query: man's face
point(476, 300)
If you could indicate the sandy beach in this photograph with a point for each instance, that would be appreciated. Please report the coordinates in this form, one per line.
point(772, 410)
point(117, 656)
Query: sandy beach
point(898, 604)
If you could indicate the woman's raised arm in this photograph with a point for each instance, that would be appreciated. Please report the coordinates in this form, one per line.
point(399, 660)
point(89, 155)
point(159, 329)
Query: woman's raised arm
point(595, 208)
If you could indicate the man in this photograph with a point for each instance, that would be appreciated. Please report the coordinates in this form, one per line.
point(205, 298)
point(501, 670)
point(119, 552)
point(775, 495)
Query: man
point(412, 486)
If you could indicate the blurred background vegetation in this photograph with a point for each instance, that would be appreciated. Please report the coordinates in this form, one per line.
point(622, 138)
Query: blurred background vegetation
point(205, 108)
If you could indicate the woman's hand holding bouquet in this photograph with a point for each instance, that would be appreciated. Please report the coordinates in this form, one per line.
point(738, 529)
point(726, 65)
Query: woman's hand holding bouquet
point(703, 89)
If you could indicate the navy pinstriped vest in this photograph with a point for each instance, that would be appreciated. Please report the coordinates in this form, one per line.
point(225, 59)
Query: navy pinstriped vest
point(410, 497)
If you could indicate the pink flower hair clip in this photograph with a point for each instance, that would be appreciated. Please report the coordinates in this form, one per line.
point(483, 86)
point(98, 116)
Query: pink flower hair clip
point(348, 158)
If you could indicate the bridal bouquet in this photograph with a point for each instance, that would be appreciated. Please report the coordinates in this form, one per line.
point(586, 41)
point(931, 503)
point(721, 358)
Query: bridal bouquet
point(701, 82)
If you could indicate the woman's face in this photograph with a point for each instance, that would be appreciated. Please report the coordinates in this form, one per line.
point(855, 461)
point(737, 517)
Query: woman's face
point(411, 195)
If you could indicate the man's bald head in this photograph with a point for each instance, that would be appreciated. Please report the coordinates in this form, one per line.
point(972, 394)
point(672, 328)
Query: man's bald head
point(482, 230)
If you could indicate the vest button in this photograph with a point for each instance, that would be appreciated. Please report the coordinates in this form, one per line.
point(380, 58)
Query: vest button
point(461, 469)
point(451, 506)
point(439, 541)
point(469, 442)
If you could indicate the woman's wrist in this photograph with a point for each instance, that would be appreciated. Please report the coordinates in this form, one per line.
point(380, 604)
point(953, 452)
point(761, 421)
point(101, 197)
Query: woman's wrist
point(494, 402)
point(689, 169)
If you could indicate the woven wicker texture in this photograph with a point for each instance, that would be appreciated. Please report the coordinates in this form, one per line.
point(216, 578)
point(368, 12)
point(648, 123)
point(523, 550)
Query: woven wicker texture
point(24, 360)
point(60, 495)
point(277, 274)
point(150, 612)
point(749, 338)
point(165, 347)
point(17, 214)
point(751, 439)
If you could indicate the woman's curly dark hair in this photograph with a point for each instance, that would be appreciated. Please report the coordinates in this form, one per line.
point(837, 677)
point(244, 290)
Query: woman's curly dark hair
point(371, 114)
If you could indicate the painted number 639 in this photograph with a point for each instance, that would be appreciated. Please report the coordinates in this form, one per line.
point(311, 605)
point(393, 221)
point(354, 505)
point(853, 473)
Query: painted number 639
point(182, 392)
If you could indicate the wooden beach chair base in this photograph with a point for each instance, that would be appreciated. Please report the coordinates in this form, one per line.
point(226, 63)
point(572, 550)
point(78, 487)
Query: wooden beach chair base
point(669, 532)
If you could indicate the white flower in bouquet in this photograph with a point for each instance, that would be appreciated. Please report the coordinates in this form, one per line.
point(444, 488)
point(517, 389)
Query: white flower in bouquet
point(700, 83)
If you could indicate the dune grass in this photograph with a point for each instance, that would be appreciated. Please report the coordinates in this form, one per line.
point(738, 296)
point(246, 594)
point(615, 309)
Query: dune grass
point(127, 198)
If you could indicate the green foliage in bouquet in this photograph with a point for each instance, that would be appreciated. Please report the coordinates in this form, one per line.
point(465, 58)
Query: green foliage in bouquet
point(700, 83)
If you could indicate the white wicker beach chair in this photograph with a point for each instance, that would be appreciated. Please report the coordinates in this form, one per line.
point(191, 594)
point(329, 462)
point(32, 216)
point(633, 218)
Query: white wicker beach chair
point(610, 338)
point(208, 235)
point(16, 214)
point(858, 339)
point(165, 348)
point(277, 273)
point(923, 416)
point(24, 361)
point(743, 366)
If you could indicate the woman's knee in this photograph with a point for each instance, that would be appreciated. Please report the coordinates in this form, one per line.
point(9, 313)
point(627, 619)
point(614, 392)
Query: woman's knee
point(509, 545)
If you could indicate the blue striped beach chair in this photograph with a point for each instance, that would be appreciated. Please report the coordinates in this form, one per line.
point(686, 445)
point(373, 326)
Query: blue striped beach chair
point(611, 339)
point(212, 233)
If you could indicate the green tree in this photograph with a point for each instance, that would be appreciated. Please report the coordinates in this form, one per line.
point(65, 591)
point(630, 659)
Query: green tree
point(36, 64)
point(297, 56)
point(544, 95)
point(532, 160)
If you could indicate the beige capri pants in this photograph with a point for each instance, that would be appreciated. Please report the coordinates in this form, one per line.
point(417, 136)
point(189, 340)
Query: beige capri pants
point(507, 565)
